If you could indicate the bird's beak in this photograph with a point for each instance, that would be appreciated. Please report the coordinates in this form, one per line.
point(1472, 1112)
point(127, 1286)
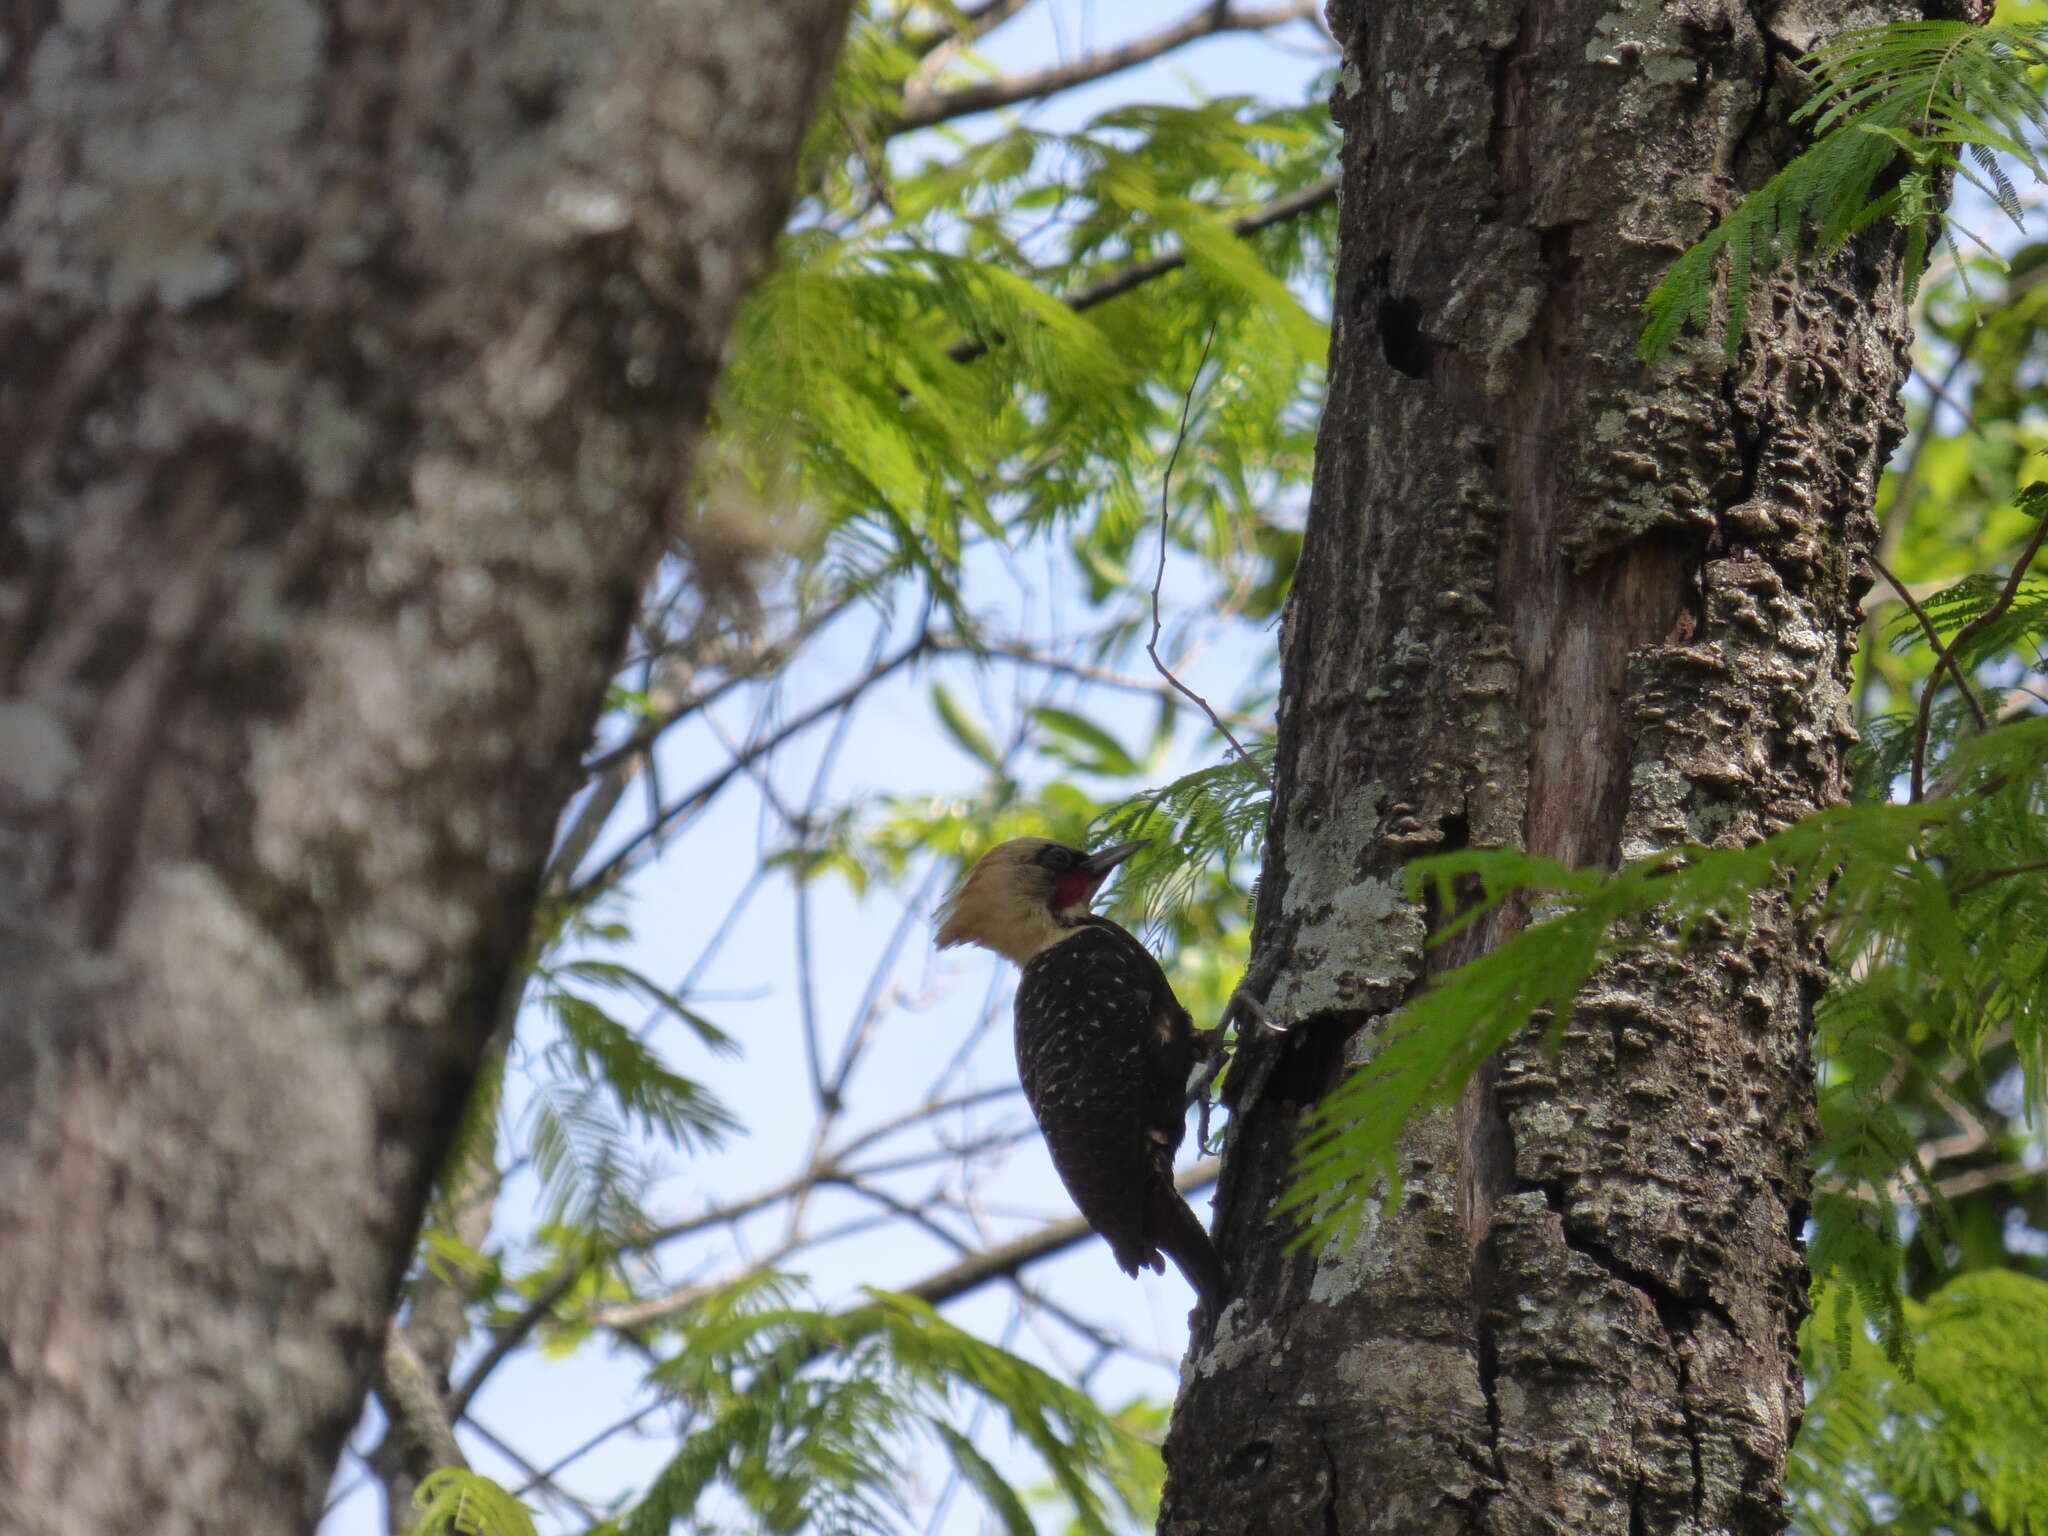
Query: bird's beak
point(1102, 861)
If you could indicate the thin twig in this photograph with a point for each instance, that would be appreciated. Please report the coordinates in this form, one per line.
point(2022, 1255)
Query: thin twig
point(1962, 637)
point(801, 826)
point(764, 658)
point(1906, 484)
point(541, 1482)
point(1977, 882)
point(1000, 1139)
point(975, 22)
point(929, 1110)
point(1187, 407)
point(1934, 640)
point(621, 861)
point(971, 1273)
point(508, 1338)
point(687, 986)
point(831, 1092)
point(1005, 1259)
point(923, 108)
point(807, 1006)
point(625, 1316)
point(829, 1169)
point(631, 1421)
point(868, 1010)
point(1020, 652)
point(1941, 391)
point(1124, 279)
point(753, 767)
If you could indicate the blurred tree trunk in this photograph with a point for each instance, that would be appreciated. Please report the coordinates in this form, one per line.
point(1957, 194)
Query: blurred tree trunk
point(355, 358)
point(1554, 598)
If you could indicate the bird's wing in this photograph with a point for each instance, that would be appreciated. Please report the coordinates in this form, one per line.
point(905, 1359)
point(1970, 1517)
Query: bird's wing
point(1169, 1035)
point(1084, 1017)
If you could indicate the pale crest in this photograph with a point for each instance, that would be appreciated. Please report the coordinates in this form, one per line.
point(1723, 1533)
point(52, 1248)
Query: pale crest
point(1004, 904)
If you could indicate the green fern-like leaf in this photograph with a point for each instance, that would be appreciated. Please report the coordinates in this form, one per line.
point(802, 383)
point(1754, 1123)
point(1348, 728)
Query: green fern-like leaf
point(584, 1152)
point(805, 1415)
point(1943, 97)
point(453, 1501)
point(1214, 814)
point(1935, 914)
point(920, 380)
point(1953, 1443)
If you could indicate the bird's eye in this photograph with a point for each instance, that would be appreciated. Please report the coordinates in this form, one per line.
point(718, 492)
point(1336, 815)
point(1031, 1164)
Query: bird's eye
point(1057, 859)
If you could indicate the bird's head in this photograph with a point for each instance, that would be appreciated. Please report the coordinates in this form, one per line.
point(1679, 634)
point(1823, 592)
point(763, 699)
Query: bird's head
point(1025, 895)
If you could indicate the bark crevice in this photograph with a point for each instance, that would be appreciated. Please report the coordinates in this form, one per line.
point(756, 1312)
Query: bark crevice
point(1552, 598)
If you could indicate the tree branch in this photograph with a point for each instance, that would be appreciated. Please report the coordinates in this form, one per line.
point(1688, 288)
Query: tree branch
point(1941, 657)
point(1962, 637)
point(1278, 211)
point(1122, 281)
point(538, 1481)
point(768, 657)
point(998, 1263)
point(510, 1335)
point(1019, 651)
point(1005, 1259)
point(1165, 518)
point(1977, 882)
point(417, 1415)
point(976, 22)
point(923, 107)
point(618, 1427)
point(621, 860)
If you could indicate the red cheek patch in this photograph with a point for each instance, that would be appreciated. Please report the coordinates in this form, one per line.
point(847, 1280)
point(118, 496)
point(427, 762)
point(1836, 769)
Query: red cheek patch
point(1073, 888)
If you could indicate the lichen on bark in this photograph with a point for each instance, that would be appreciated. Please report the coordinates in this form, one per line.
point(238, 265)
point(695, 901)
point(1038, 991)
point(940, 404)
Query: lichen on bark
point(1552, 598)
point(356, 357)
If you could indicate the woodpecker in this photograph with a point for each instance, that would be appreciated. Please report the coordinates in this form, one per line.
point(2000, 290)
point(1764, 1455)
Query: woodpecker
point(1103, 1048)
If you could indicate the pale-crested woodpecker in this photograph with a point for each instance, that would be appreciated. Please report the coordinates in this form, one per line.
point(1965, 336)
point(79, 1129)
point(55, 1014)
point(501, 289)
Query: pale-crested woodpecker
point(1104, 1048)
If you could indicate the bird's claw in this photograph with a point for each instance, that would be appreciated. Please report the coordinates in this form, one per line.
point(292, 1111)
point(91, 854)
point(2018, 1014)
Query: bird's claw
point(1243, 1005)
point(1216, 1048)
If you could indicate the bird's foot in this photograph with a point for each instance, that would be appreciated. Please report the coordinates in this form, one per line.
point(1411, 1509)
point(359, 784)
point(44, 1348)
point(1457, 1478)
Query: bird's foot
point(1243, 1005)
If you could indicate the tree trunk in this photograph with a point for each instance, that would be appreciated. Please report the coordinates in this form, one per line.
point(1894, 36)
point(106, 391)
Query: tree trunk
point(355, 357)
point(1553, 598)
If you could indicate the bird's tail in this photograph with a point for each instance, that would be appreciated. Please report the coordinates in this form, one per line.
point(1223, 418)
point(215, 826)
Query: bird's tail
point(1175, 1228)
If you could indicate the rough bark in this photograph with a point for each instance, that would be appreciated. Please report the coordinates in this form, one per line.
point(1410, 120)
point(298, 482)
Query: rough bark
point(355, 358)
point(1550, 597)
